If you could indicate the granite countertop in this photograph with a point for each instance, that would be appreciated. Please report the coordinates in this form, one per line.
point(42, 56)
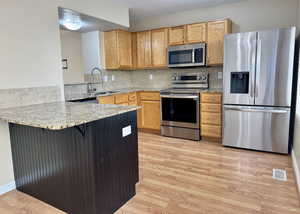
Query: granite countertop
point(78, 96)
point(61, 115)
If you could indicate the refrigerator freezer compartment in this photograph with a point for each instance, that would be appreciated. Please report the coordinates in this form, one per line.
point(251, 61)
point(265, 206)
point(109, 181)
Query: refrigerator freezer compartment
point(257, 128)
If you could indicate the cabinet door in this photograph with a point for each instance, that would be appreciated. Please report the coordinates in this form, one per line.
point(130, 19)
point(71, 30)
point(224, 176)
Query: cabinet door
point(144, 49)
point(196, 32)
point(176, 35)
point(134, 50)
point(159, 42)
point(215, 41)
point(111, 50)
point(106, 100)
point(124, 48)
point(150, 115)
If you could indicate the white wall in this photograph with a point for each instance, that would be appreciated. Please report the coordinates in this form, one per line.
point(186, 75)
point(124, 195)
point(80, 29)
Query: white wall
point(72, 51)
point(250, 15)
point(30, 54)
point(91, 47)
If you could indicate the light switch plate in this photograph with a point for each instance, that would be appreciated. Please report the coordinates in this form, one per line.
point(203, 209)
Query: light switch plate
point(151, 76)
point(126, 131)
point(220, 75)
point(113, 78)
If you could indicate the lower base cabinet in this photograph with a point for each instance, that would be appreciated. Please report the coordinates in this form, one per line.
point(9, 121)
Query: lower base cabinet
point(150, 115)
point(149, 101)
point(211, 115)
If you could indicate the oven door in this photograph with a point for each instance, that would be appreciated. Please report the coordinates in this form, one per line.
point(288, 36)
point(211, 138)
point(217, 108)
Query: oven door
point(180, 110)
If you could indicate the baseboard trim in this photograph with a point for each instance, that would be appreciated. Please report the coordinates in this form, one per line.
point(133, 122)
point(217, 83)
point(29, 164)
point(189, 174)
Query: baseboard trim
point(7, 187)
point(296, 170)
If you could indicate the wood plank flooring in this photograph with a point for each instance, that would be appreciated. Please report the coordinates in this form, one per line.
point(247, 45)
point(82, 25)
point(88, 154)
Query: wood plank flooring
point(185, 177)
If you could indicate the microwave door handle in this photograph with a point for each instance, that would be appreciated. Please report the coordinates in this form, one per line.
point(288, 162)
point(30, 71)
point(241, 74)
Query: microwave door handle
point(193, 56)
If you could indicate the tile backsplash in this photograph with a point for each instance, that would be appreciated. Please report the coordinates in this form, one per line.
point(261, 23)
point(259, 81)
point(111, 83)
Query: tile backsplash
point(28, 96)
point(141, 79)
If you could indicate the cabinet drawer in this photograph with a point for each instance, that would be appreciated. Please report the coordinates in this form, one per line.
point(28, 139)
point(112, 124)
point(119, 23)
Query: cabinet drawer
point(133, 103)
point(211, 98)
point(211, 118)
point(208, 107)
point(121, 98)
point(124, 104)
point(150, 96)
point(132, 97)
point(211, 131)
point(106, 100)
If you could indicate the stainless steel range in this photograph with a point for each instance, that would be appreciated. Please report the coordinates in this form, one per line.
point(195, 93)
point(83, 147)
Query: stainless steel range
point(180, 114)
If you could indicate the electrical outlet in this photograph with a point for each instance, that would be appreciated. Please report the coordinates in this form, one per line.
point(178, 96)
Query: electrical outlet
point(105, 78)
point(220, 75)
point(113, 78)
point(151, 76)
point(126, 131)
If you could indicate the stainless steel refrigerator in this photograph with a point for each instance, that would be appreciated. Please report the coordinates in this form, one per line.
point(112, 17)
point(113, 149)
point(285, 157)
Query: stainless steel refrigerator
point(257, 81)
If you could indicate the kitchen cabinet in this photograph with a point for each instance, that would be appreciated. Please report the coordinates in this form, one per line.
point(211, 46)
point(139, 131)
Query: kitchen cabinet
point(148, 116)
point(196, 32)
point(211, 115)
point(106, 100)
point(143, 49)
point(150, 112)
point(215, 40)
point(118, 50)
point(121, 98)
point(159, 44)
point(134, 50)
point(177, 35)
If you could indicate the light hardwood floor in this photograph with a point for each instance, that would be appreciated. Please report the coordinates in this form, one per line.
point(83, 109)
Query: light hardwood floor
point(182, 177)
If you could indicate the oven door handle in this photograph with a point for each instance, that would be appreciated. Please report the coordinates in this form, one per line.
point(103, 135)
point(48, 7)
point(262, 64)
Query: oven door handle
point(180, 97)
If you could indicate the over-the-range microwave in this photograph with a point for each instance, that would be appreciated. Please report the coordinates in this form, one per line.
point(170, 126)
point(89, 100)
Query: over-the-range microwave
point(187, 55)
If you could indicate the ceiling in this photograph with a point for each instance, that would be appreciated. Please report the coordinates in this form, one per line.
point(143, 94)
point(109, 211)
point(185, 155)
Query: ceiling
point(90, 23)
point(140, 9)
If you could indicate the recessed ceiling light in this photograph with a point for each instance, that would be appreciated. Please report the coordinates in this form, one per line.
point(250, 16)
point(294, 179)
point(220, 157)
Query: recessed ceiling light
point(71, 20)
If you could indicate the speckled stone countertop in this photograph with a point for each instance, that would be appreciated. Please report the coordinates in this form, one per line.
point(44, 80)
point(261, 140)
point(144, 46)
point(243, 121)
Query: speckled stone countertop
point(61, 115)
point(78, 96)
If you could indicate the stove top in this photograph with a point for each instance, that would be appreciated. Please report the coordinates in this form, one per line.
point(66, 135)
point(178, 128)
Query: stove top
point(190, 81)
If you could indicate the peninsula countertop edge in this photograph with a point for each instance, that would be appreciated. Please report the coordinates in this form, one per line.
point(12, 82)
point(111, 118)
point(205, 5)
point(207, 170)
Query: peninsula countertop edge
point(61, 115)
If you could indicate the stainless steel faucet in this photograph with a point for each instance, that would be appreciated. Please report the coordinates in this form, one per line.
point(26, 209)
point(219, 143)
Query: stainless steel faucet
point(90, 85)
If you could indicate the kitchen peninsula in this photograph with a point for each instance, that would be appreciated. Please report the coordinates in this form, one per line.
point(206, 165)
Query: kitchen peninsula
point(80, 158)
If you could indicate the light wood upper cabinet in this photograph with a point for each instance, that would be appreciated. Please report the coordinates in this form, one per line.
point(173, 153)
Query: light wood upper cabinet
point(159, 42)
point(177, 35)
point(143, 49)
point(215, 41)
point(118, 49)
point(134, 50)
point(196, 32)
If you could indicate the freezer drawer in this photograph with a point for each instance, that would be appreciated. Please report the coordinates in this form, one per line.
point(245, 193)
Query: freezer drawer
point(257, 128)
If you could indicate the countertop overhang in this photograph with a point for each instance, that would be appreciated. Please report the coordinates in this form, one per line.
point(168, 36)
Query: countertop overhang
point(61, 115)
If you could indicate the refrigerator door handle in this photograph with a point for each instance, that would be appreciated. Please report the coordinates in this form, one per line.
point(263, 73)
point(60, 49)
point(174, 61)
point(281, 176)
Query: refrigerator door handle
point(258, 65)
point(249, 109)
